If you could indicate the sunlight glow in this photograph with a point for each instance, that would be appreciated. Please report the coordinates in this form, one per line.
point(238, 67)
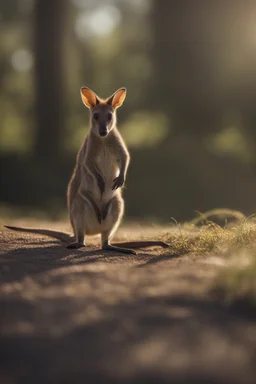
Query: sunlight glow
point(99, 22)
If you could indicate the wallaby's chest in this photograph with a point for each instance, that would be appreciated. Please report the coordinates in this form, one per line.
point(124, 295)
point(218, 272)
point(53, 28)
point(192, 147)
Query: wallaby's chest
point(107, 162)
point(107, 165)
point(100, 171)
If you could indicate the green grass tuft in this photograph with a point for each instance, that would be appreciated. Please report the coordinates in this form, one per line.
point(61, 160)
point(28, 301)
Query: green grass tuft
point(235, 243)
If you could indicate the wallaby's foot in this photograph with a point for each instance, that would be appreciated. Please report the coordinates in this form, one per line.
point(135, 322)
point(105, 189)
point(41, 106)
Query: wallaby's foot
point(142, 244)
point(108, 247)
point(163, 244)
point(75, 245)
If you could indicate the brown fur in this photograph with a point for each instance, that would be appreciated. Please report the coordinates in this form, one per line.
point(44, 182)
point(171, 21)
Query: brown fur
point(94, 193)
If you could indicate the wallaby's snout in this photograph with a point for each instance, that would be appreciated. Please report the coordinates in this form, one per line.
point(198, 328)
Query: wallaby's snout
point(103, 131)
point(102, 119)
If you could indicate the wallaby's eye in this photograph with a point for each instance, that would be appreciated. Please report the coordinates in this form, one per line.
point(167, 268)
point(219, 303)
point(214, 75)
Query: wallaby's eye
point(96, 116)
point(109, 116)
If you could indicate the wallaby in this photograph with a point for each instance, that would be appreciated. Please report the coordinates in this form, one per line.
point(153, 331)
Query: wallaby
point(94, 195)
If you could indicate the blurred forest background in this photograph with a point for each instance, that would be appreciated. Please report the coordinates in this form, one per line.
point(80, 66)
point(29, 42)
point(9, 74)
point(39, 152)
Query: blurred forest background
point(190, 114)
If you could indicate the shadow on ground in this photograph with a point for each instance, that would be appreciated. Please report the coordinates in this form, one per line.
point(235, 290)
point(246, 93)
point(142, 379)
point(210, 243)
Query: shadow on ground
point(85, 316)
point(151, 340)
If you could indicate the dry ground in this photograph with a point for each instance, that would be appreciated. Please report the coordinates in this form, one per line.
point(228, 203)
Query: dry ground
point(86, 316)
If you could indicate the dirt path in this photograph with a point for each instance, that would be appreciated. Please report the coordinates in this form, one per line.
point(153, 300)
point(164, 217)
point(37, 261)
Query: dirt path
point(89, 317)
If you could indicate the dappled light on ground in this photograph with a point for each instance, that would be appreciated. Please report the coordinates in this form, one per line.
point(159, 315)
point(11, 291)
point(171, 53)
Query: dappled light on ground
point(70, 315)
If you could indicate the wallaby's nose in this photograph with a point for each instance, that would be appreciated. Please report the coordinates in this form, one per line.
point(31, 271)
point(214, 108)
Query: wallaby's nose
point(103, 131)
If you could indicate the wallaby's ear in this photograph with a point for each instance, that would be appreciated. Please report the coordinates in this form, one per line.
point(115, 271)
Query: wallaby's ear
point(89, 98)
point(117, 99)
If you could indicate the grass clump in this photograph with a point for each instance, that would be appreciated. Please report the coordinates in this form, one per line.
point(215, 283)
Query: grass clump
point(198, 240)
point(235, 242)
point(211, 236)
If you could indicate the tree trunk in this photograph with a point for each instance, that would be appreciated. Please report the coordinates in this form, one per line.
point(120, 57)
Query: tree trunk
point(188, 41)
point(48, 48)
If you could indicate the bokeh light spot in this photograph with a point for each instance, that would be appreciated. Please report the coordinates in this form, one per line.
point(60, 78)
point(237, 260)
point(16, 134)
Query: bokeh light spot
point(22, 60)
point(97, 22)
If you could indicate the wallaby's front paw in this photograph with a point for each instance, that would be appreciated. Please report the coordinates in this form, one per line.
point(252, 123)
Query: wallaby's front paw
point(118, 182)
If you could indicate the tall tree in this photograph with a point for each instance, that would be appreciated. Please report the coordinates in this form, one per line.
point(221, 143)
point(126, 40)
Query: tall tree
point(48, 46)
point(191, 40)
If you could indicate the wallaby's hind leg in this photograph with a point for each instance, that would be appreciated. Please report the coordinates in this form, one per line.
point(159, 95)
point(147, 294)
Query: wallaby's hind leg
point(77, 244)
point(114, 212)
point(79, 235)
point(108, 247)
point(77, 222)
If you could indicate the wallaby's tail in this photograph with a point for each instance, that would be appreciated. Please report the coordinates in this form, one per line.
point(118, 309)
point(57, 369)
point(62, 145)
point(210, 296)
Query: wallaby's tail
point(142, 244)
point(62, 236)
